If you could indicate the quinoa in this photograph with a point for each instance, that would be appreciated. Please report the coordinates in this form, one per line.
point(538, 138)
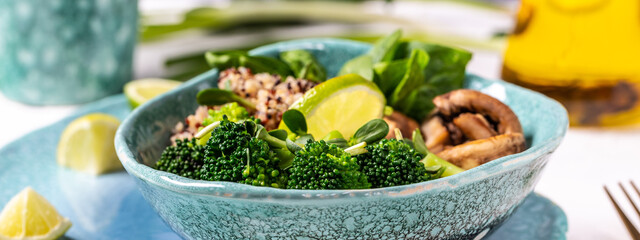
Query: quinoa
point(190, 126)
point(271, 96)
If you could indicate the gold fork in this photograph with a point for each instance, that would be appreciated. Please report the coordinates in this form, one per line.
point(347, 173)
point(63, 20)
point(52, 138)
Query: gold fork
point(635, 235)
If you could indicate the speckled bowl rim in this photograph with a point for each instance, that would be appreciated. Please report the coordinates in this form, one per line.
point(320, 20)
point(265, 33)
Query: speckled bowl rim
point(242, 191)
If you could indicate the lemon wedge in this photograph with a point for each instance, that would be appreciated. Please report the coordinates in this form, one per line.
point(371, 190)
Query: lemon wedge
point(342, 103)
point(142, 90)
point(87, 144)
point(28, 215)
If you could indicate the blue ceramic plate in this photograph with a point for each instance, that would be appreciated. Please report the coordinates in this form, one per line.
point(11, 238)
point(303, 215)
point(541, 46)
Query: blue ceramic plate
point(110, 206)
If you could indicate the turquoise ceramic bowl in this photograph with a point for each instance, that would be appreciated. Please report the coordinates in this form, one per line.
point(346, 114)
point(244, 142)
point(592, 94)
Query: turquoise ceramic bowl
point(461, 206)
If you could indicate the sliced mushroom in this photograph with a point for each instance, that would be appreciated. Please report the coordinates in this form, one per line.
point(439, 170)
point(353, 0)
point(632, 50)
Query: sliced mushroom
point(456, 135)
point(474, 153)
point(402, 122)
point(465, 100)
point(479, 128)
point(438, 134)
point(474, 126)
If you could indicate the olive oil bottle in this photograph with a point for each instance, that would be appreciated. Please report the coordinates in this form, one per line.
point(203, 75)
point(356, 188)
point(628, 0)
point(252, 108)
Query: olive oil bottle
point(583, 53)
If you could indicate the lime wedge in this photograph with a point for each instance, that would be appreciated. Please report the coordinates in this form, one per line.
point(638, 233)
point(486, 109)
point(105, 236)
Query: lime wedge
point(87, 144)
point(342, 103)
point(142, 90)
point(28, 215)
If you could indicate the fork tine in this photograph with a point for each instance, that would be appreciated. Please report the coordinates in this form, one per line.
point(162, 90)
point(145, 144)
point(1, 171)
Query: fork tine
point(635, 188)
point(632, 230)
point(630, 199)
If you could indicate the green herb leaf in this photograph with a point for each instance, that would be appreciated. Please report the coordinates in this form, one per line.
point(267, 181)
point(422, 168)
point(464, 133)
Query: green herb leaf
point(258, 64)
point(444, 72)
point(279, 134)
point(304, 138)
point(295, 121)
point(389, 74)
point(408, 142)
point(384, 49)
point(413, 76)
point(251, 127)
point(225, 59)
point(304, 65)
point(446, 64)
point(285, 156)
point(293, 147)
point(216, 96)
point(260, 132)
point(333, 134)
point(446, 69)
point(418, 142)
point(336, 138)
point(433, 169)
point(361, 65)
point(419, 103)
point(357, 149)
point(370, 132)
point(340, 142)
point(448, 168)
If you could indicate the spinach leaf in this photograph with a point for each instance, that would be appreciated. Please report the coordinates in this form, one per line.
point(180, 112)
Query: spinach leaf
point(295, 121)
point(444, 72)
point(389, 74)
point(384, 49)
point(413, 76)
point(419, 103)
point(446, 68)
point(216, 96)
point(258, 64)
point(411, 73)
point(361, 65)
point(304, 65)
point(370, 132)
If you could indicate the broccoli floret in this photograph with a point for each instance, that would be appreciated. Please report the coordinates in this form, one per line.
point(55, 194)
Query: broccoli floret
point(184, 159)
point(261, 168)
point(393, 163)
point(233, 155)
point(233, 111)
point(325, 166)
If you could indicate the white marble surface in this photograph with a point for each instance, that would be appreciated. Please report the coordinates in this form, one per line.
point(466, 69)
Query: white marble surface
point(585, 161)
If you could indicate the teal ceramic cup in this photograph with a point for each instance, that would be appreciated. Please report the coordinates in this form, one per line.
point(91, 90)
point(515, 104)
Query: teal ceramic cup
point(66, 51)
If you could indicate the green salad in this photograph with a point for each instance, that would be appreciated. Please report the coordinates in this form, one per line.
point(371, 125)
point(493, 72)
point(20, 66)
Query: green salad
point(279, 122)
